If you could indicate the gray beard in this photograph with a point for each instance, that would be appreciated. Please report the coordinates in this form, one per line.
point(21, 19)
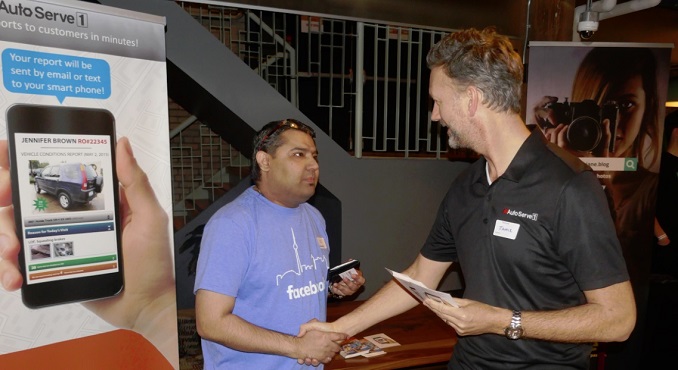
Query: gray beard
point(454, 141)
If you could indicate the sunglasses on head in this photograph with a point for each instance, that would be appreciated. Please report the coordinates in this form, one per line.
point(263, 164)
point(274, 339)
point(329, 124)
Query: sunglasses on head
point(290, 124)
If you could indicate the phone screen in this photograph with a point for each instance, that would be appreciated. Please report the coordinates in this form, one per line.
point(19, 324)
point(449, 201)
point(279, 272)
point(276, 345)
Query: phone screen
point(65, 196)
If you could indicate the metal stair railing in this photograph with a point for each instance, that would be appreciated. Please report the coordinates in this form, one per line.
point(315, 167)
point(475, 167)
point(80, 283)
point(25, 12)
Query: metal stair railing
point(364, 84)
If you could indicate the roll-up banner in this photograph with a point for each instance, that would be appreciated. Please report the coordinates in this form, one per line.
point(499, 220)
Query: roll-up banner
point(75, 78)
point(604, 102)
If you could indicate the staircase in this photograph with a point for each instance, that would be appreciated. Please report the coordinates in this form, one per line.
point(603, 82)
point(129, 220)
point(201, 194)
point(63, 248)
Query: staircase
point(227, 95)
point(204, 166)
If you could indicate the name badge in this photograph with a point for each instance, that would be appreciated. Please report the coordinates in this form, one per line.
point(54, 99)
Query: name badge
point(505, 229)
point(321, 242)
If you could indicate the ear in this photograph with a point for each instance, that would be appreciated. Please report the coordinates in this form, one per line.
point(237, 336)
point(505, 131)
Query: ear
point(475, 97)
point(263, 159)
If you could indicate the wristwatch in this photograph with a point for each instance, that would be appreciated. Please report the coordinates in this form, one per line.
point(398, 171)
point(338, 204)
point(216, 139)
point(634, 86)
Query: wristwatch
point(515, 329)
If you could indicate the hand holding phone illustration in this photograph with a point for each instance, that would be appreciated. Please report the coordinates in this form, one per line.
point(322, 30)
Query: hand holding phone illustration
point(62, 165)
point(147, 303)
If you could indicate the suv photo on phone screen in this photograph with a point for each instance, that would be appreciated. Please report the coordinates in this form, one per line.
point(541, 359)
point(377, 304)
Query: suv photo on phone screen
point(70, 183)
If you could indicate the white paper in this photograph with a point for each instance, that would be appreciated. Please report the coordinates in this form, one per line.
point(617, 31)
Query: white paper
point(420, 291)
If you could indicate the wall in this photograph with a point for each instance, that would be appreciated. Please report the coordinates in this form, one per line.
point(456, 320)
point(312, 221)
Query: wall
point(388, 205)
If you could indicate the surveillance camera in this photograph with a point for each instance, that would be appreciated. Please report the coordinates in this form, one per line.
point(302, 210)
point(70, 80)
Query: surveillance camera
point(587, 25)
point(585, 35)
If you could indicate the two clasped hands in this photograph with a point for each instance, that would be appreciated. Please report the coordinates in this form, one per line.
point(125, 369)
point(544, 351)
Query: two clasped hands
point(341, 332)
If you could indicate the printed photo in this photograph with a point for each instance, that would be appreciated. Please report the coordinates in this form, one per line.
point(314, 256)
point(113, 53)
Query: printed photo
point(41, 251)
point(382, 340)
point(66, 186)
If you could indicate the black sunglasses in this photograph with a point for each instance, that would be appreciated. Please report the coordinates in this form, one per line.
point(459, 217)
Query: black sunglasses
point(289, 123)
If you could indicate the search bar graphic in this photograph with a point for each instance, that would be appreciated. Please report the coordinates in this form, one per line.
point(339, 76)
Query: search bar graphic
point(611, 164)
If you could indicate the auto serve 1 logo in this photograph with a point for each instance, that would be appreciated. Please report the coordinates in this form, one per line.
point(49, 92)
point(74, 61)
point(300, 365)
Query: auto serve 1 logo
point(521, 214)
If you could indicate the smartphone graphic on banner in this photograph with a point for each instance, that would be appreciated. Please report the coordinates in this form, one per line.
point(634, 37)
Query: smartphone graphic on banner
point(65, 196)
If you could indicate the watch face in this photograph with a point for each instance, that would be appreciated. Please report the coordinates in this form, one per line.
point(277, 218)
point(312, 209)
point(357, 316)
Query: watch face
point(514, 333)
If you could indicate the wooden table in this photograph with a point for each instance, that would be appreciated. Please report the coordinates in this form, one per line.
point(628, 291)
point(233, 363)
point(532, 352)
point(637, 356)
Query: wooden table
point(424, 339)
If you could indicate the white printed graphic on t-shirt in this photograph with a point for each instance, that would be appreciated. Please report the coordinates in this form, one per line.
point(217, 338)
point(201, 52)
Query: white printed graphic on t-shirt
point(316, 263)
point(311, 288)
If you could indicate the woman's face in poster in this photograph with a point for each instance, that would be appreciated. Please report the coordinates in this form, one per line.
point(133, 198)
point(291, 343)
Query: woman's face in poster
point(631, 100)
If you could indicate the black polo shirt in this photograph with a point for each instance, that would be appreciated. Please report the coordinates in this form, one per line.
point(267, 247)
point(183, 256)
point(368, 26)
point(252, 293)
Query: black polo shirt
point(533, 240)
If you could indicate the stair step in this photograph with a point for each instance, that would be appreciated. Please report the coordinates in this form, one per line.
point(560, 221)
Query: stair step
point(178, 222)
point(201, 204)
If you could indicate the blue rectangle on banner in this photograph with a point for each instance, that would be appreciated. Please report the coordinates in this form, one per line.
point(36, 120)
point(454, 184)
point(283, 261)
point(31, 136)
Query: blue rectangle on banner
point(60, 75)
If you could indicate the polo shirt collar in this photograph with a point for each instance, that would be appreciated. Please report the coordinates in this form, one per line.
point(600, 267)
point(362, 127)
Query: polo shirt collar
point(532, 149)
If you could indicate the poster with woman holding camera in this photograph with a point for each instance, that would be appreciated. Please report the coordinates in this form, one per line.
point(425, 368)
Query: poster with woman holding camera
point(604, 102)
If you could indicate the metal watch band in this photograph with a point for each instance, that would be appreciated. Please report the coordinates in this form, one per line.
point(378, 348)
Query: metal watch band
point(516, 319)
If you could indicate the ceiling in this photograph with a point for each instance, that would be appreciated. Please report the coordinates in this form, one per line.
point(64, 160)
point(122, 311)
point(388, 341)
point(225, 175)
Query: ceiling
point(507, 15)
point(655, 25)
point(664, 3)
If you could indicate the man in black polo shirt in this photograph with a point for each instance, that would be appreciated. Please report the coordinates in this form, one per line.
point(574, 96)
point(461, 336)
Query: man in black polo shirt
point(528, 223)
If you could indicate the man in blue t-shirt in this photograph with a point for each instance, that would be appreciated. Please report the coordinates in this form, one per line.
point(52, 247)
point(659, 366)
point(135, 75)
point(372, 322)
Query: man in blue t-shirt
point(262, 270)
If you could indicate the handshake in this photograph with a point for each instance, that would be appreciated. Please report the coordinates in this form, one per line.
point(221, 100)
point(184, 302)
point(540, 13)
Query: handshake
point(320, 341)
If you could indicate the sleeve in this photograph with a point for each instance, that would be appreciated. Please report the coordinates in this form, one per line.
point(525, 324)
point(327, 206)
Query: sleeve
point(224, 256)
point(585, 234)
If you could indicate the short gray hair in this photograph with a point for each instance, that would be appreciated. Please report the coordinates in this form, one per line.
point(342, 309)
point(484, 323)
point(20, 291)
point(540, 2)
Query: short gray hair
point(485, 60)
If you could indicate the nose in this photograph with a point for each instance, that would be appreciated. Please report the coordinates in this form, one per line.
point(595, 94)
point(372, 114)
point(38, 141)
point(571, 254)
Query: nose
point(313, 164)
point(435, 113)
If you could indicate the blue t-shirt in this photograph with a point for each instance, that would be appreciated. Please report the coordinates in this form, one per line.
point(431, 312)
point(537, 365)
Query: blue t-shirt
point(274, 261)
